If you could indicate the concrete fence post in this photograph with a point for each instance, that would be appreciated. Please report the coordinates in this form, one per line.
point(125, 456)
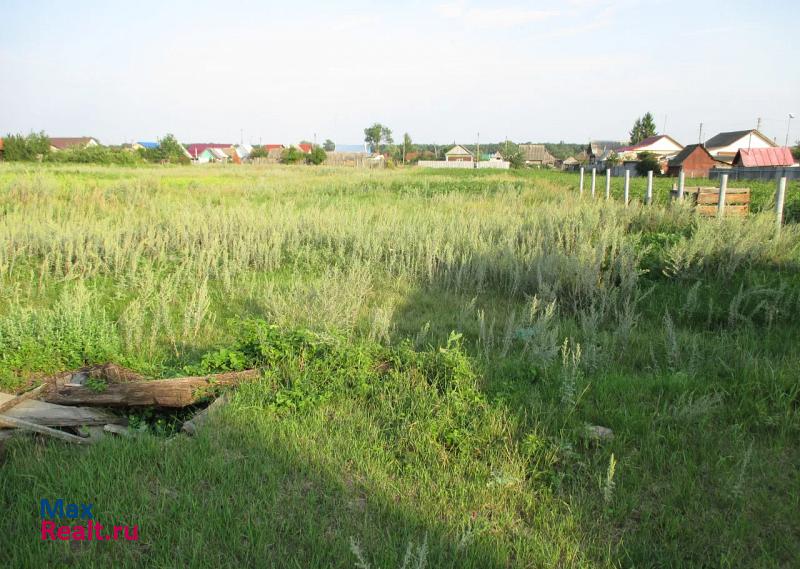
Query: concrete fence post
point(723, 190)
point(627, 193)
point(608, 183)
point(780, 196)
point(681, 185)
point(648, 198)
point(581, 184)
point(594, 179)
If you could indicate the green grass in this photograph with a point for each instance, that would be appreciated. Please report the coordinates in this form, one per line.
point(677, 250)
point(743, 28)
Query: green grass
point(433, 344)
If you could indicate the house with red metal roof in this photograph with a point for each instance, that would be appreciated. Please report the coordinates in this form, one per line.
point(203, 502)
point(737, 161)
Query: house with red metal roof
point(305, 148)
point(196, 150)
point(763, 157)
point(725, 145)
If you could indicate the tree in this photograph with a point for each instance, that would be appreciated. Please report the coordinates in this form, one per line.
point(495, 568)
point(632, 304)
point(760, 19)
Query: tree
point(613, 159)
point(376, 136)
point(796, 150)
point(647, 162)
point(408, 145)
point(317, 156)
point(291, 155)
point(512, 154)
point(643, 128)
point(328, 145)
point(259, 152)
point(35, 146)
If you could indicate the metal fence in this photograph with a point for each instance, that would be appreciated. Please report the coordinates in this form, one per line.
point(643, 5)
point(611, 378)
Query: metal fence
point(790, 173)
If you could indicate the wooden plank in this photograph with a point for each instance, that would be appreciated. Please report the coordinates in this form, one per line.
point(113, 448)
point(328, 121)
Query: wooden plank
point(178, 392)
point(730, 198)
point(15, 423)
point(51, 415)
point(711, 210)
point(9, 401)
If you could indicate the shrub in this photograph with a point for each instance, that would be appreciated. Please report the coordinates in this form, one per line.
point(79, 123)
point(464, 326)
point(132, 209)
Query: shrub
point(647, 162)
point(317, 156)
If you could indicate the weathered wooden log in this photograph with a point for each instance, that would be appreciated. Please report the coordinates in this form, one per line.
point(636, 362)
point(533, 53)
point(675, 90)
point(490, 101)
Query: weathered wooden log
point(178, 392)
point(9, 401)
point(52, 415)
point(6, 421)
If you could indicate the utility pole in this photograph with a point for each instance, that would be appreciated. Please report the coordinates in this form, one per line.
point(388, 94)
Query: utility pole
point(700, 135)
point(788, 126)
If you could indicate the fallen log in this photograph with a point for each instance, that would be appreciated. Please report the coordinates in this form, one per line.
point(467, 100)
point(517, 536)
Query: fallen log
point(52, 415)
point(9, 401)
point(6, 421)
point(125, 390)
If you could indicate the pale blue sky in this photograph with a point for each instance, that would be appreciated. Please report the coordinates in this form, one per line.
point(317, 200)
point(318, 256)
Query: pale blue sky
point(282, 71)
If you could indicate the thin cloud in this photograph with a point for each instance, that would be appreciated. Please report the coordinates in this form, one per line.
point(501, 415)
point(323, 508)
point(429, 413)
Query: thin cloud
point(505, 17)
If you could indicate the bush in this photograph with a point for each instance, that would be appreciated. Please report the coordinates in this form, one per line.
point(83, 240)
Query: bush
point(18, 148)
point(291, 155)
point(647, 162)
point(95, 155)
point(317, 156)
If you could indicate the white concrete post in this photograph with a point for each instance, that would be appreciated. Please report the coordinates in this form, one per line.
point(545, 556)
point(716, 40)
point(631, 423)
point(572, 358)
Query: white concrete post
point(581, 184)
point(594, 179)
point(608, 183)
point(648, 198)
point(723, 190)
point(681, 185)
point(780, 196)
point(627, 196)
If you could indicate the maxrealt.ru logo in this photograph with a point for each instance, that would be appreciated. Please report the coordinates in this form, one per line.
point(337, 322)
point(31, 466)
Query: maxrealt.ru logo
point(89, 531)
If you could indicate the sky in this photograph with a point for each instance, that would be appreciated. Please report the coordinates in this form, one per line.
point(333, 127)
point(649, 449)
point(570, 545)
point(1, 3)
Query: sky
point(279, 72)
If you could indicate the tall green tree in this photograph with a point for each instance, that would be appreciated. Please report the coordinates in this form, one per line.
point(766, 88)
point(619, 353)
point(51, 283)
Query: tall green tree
point(328, 145)
point(376, 136)
point(644, 127)
point(408, 145)
point(511, 153)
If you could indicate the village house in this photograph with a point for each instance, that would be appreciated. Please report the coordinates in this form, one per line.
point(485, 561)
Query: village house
point(196, 150)
point(662, 145)
point(536, 155)
point(598, 151)
point(725, 145)
point(763, 158)
point(694, 161)
point(63, 143)
point(458, 154)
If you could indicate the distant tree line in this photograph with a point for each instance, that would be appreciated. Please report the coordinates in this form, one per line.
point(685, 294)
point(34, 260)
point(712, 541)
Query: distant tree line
point(36, 147)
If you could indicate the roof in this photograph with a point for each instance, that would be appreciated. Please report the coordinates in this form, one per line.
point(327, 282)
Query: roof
point(1, 143)
point(306, 148)
point(269, 147)
point(458, 150)
point(535, 153)
point(646, 142)
point(197, 149)
point(62, 143)
point(570, 161)
point(728, 138)
point(687, 151)
point(755, 157)
point(598, 147)
point(149, 144)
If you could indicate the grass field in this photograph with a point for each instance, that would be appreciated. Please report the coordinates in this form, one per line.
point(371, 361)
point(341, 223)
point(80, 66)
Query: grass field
point(434, 345)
